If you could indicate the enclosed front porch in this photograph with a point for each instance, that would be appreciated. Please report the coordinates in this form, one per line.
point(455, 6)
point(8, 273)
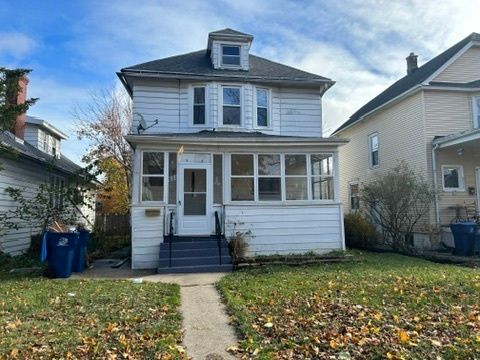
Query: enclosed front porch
point(283, 198)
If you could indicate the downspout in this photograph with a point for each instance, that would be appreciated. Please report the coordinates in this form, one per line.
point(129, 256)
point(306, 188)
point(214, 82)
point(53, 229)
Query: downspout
point(434, 174)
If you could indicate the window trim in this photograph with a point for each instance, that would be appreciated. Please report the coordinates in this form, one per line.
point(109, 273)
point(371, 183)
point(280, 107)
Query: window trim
point(192, 104)
point(476, 112)
point(220, 108)
point(370, 150)
point(461, 179)
point(142, 175)
point(255, 109)
point(231, 66)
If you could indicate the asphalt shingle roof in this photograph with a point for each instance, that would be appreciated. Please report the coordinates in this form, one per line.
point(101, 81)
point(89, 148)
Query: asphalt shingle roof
point(198, 63)
point(409, 81)
point(63, 163)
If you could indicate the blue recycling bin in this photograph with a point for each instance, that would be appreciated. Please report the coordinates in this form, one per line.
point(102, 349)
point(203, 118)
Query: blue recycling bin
point(60, 252)
point(464, 237)
point(80, 251)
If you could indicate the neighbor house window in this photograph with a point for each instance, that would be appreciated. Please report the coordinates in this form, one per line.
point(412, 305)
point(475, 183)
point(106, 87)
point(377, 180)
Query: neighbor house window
point(218, 179)
point(321, 166)
point(232, 110)
point(262, 107)
point(172, 178)
point(230, 55)
point(373, 150)
point(296, 178)
point(153, 176)
point(269, 177)
point(476, 111)
point(199, 105)
point(354, 197)
point(452, 176)
point(242, 177)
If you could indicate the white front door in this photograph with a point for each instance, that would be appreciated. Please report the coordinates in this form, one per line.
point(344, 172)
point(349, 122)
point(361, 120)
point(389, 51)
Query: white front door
point(194, 199)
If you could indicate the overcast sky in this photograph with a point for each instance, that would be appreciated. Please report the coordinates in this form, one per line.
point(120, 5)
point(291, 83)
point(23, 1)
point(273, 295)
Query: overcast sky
point(75, 47)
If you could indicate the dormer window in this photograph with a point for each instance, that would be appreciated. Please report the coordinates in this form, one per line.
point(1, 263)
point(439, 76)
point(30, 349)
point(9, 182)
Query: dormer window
point(230, 55)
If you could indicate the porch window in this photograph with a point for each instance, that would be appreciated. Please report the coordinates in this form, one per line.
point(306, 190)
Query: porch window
point(232, 110)
point(296, 178)
point(230, 55)
point(218, 179)
point(476, 111)
point(354, 197)
point(262, 108)
point(199, 105)
point(373, 150)
point(153, 176)
point(269, 178)
point(172, 178)
point(242, 177)
point(322, 176)
point(452, 176)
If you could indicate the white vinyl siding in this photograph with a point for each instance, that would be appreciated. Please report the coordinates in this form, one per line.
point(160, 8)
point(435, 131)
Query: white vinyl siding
point(464, 69)
point(147, 235)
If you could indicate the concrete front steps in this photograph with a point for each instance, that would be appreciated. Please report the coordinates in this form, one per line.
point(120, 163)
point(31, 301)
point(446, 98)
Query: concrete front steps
point(194, 254)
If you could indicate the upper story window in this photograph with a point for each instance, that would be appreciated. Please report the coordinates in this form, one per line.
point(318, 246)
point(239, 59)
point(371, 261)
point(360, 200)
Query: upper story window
point(232, 110)
point(262, 108)
point(476, 111)
point(373, 150)
point(153, 176)
point(230, 55)
point(199, 105)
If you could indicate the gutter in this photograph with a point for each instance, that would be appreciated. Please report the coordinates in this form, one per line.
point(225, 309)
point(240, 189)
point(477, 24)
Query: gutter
point(434, 174)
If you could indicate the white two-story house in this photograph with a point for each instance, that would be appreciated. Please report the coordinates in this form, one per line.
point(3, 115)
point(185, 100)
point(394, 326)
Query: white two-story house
point(223, 132)
point(430, 118)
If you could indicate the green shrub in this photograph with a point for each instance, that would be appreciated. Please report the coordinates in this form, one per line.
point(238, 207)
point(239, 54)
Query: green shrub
point(359, 232)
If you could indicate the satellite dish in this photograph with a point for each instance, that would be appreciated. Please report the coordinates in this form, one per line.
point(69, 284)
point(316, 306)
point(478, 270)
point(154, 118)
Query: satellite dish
point(142, 124)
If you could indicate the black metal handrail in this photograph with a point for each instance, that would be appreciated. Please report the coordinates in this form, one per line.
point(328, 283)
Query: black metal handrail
point(218, 233)
point(170, 234)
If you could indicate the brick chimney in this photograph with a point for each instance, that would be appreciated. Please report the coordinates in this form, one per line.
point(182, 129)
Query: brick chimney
point(412, 65)
point(18, 128)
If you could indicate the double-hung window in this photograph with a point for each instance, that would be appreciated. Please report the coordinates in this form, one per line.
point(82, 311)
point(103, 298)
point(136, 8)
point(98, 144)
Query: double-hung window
point(199, 105)
point(153, 176)
point(232, 110)
point(476, 111)
point(230, 55)
point(296, 177)
point(321, 166)
point(262, 108)
point(242, 177)
point(373, 150)
point(452, 178)
point(269, 177)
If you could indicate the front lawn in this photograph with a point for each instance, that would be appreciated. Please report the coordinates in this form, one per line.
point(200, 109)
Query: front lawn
point(387, 307)
point(69, 319)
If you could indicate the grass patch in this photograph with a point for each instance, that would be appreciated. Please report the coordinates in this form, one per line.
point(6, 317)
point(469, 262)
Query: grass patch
point(388, 306)
point(41, 318)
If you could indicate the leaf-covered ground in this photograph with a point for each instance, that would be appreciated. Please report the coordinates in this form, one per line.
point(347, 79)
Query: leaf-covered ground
point(70, 319)
point(387, 307)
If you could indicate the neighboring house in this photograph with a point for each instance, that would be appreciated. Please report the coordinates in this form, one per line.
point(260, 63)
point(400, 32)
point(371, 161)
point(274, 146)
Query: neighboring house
point(36, 159)
point(232, 133)
point(431, 119)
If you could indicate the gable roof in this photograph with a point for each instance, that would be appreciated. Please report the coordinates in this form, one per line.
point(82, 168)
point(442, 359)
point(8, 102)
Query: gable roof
point(230, 32)
point(198, 64)
point(24, 148)
point(409, 81)
point(46, 125)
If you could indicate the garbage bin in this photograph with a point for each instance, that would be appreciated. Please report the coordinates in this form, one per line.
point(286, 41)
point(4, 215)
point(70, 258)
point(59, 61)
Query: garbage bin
point(61, 247)
point(80, 251)
point(464, 237)
point(477, 241)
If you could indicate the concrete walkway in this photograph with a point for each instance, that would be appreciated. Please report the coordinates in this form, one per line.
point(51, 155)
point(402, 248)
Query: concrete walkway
point(207, 330)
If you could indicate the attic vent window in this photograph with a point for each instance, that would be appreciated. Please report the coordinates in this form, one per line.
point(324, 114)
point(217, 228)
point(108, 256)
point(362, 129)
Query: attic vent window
point(230, 55)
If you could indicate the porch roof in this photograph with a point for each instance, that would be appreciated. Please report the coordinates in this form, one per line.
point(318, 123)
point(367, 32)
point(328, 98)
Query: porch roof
point(469, 138)
point(233, 138)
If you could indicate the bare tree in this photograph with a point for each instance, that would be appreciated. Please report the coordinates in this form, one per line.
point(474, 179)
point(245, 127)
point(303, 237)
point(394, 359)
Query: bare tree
point(105, 121)
point(397, 201)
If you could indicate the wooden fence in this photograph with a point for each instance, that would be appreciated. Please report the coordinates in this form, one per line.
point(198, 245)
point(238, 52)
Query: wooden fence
point(113, 224)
